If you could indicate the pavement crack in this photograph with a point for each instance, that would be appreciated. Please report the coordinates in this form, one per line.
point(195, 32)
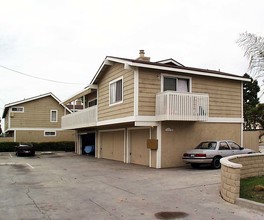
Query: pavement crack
point(111, 214)
point(43, 213)
point(194, 186)
point(119, 188)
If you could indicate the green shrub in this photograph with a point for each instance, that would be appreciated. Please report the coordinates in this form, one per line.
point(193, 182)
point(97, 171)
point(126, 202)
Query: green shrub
point(8, 146)
point(43, 146)
point(54, 146)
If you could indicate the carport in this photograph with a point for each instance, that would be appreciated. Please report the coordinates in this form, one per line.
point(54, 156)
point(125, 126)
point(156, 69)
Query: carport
point(88, 142)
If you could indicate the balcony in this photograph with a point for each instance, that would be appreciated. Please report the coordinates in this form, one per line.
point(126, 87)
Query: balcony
point(182, 106)
point(80, 119)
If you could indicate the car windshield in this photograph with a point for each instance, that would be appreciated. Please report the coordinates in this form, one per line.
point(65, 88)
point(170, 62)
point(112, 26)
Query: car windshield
point(209, 145)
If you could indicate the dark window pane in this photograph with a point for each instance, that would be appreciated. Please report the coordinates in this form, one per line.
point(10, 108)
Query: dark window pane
point(169, 84)
point(119, 90)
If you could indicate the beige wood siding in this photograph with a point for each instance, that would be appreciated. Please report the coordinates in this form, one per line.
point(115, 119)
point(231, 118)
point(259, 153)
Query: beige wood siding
point(224, 95)
point(37, 114)
point(106, 112)
point(187, 135)
point(149, 86)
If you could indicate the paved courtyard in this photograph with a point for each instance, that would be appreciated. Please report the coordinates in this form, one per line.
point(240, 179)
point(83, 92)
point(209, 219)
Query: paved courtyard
point(68, 186)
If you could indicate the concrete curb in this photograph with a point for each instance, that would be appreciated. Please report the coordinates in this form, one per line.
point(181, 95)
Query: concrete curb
point(250, 204)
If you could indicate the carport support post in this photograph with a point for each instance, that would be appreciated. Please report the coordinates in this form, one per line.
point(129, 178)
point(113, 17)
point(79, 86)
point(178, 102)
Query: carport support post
point(159, 131)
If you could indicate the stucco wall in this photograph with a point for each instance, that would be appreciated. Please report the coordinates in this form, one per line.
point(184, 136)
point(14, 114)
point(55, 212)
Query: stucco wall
point(251, 139)
point(178, 137)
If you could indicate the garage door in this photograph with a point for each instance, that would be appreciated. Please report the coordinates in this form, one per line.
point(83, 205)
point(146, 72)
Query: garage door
point(138, 146)
point(112, 145)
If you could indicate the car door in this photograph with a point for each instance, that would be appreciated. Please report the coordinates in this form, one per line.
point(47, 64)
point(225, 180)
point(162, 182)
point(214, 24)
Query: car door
point(236, 149)
point(224, 149)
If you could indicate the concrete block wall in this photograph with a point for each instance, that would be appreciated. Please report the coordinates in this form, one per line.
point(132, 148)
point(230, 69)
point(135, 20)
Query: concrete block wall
point(239, 167)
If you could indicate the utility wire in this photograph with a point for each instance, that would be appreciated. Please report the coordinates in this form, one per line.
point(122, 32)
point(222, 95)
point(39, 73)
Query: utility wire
point(40, 78)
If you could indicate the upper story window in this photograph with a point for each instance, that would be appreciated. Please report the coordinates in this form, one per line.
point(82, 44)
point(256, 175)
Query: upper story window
point(116, 91)
point(17, 109)
point(92, 102)
point(53, 115)
point(179, 84)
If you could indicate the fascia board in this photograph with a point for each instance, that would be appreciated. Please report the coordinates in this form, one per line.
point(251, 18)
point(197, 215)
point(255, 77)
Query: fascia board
point(200, 73)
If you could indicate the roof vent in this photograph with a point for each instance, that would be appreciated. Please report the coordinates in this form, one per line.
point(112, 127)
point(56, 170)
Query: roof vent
point(142, 56)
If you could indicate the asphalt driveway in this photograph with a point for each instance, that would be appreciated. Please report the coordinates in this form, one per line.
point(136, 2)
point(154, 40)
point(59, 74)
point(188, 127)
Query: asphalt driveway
point(69, 186)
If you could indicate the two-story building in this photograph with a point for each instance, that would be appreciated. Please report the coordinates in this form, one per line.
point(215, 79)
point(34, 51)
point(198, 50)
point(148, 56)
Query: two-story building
point(150, 113)
point(36, 119)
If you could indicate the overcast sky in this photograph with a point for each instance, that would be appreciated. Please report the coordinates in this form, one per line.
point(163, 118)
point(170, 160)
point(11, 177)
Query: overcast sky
point(67, 40)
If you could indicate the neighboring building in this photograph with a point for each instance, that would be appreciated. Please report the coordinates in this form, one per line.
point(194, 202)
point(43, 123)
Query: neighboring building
point(36, 119)
point(150, 113)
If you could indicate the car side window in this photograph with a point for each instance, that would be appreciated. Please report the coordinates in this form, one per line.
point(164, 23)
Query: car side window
point(223, 146)
point(234, 146)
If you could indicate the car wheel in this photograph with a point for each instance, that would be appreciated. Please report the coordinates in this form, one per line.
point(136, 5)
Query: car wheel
point(216, 163)
point(195, 165)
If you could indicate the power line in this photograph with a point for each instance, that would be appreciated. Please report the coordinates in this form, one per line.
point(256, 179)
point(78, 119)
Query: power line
point(40, 78)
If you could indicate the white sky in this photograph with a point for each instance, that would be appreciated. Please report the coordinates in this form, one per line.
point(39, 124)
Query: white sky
point(67, 40)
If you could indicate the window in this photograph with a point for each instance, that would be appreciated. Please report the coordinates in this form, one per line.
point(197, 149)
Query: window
point(234, 146)
point(176, 84)
point(223, 146)
point(116, 91)
point(49, 133)
point(92, 103)
point(207, 146)
point(17, 109)
point(54, 116)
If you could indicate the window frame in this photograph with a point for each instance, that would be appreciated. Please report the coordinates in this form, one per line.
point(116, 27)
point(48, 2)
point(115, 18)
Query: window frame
point(50, 135)
point(122, 87)
point(56, 120)
point(164, 75)
point(23, 110)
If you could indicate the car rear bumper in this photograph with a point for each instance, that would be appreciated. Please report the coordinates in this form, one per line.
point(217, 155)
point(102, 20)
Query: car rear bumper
point(25, 151)
point(198, 160)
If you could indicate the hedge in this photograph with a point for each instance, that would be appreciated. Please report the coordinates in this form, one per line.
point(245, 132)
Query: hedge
point(43, 146)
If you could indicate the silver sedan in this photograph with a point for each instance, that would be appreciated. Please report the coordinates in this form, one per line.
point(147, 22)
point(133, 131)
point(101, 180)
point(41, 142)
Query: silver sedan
point(210, 152)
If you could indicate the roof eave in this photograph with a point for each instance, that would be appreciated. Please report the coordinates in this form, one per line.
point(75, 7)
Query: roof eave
point(77, 95)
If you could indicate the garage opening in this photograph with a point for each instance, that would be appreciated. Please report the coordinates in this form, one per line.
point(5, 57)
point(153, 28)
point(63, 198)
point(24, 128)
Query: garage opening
point(88, 144)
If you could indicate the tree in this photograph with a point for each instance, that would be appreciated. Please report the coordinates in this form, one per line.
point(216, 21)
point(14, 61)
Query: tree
point(253, 46)
point(260, 115)
point(250, 104)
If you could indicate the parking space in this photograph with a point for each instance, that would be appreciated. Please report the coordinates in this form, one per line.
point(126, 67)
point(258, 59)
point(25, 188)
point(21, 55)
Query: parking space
point(68, 186)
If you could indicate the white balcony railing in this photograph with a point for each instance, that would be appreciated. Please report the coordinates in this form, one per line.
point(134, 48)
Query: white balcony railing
point(182, 106)
point(80, 119)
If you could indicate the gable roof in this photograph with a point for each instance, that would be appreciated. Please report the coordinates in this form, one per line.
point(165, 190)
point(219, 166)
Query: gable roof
point(170, 61)
point(7, 106)
point(164, 65)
